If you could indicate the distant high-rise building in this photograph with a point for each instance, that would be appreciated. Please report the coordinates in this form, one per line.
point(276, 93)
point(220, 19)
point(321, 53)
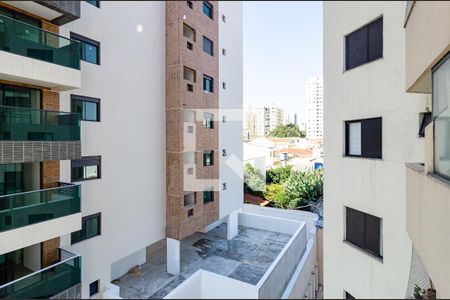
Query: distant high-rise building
point(290, 117)
point(273, 117)
point(314, 113)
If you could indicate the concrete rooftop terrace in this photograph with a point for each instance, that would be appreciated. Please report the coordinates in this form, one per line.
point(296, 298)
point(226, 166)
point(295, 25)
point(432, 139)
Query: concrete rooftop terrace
point(246, 257)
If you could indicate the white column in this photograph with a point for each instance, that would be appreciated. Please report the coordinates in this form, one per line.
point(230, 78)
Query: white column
point(173, 256)
point(232, 225)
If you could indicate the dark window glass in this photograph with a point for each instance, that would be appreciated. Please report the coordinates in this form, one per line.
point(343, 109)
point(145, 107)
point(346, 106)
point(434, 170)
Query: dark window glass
point(86, 168)
point(189, 4)
point(208, 120)
point(11, 179)
point(208, 158)
point(94, 2)
point(364, 45)
point(208, 46)
point(93, 288)
point(90, 227)
point(208, 83)
point(208, 9)
point(21, 17)
point(208, 196)
point(364, 231)
point(87, 107)
point(363, 138)
point(90, 49)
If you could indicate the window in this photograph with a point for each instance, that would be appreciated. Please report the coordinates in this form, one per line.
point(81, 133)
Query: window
point(90, 227)
point(189, 32)
point(86, 168)
point(425, 119)
point(190, 213)
point(224, 85)
point(224, 19)
point(208, 83)
point(224, 51)
point(208, 120)
point(224, 119)
point(93, 288)
point(189, 74)
point(364, 231)
point(441, 116)
point(208, 9)
point(189, 199)
point(364, 138)
point(189, 4)
point(208, 46)
point(87, 107)
point(364, 45)
point(224, 152)
point(90, 49)
point(208, 196)
point(96, 3)
point(208, 158)
point(224, 186)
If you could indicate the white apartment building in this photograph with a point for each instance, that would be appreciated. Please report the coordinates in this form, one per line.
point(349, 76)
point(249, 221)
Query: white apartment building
point(273, 117)
point(120, 134)
point(290, 117)
point(371, 131)
point(314, 108)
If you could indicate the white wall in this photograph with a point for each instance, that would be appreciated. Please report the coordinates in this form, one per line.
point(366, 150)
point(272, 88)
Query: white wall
point(121, 267)
point(376, 187)
point(231, 103)
point(130, 137)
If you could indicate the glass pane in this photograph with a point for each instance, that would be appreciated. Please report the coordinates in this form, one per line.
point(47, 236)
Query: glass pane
point(441, 111)
point(77, 107)
point(91, 227)
point(354, 142)
point(90, 111)
point(90, 172)
point(90, 53)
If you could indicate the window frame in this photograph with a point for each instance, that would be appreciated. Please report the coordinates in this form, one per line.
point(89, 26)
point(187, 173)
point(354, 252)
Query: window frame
point(84, 164)
point(346, 59)
point(97, 287)
point(205, 154)
point(85, 40)
point(82, 231)
point(211, 80)
point(74, 98)
point(209, 192)
point(436, 115)
point(212, 46)
point(347, 139)
point(210, 7)
point(208, 124)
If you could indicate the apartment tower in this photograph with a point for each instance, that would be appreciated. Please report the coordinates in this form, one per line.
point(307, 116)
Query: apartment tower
point(371, 130)
point(118, 119)
point(314, 108)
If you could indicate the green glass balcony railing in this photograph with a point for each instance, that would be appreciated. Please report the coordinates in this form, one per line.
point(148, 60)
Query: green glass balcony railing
point(47, 282)
point(30, 41)
point(25, 124)
point(23, 209)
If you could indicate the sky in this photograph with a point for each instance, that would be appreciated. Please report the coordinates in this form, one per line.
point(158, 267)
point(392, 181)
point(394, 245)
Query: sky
point(282, 49)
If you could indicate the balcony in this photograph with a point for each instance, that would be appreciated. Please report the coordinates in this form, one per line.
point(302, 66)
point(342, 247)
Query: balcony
point(47, 282)
point(30, 55)
point(427, 41)
point(32, 217)
point(427, 222)
point(58, 12)
point(28, 135)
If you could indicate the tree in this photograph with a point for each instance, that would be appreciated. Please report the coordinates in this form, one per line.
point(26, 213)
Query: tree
point(254, 181)
point(278, 175)
point(304, 186)
point(289, 130)
point(272, 191)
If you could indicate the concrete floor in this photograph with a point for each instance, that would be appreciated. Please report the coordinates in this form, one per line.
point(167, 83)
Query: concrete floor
point(246, 258)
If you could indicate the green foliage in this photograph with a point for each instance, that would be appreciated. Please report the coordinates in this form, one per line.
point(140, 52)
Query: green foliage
point(278, 175)
point(302, 133)
point(272, 190)
point(304, 186)
point(289, 130)
point(254, 182)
